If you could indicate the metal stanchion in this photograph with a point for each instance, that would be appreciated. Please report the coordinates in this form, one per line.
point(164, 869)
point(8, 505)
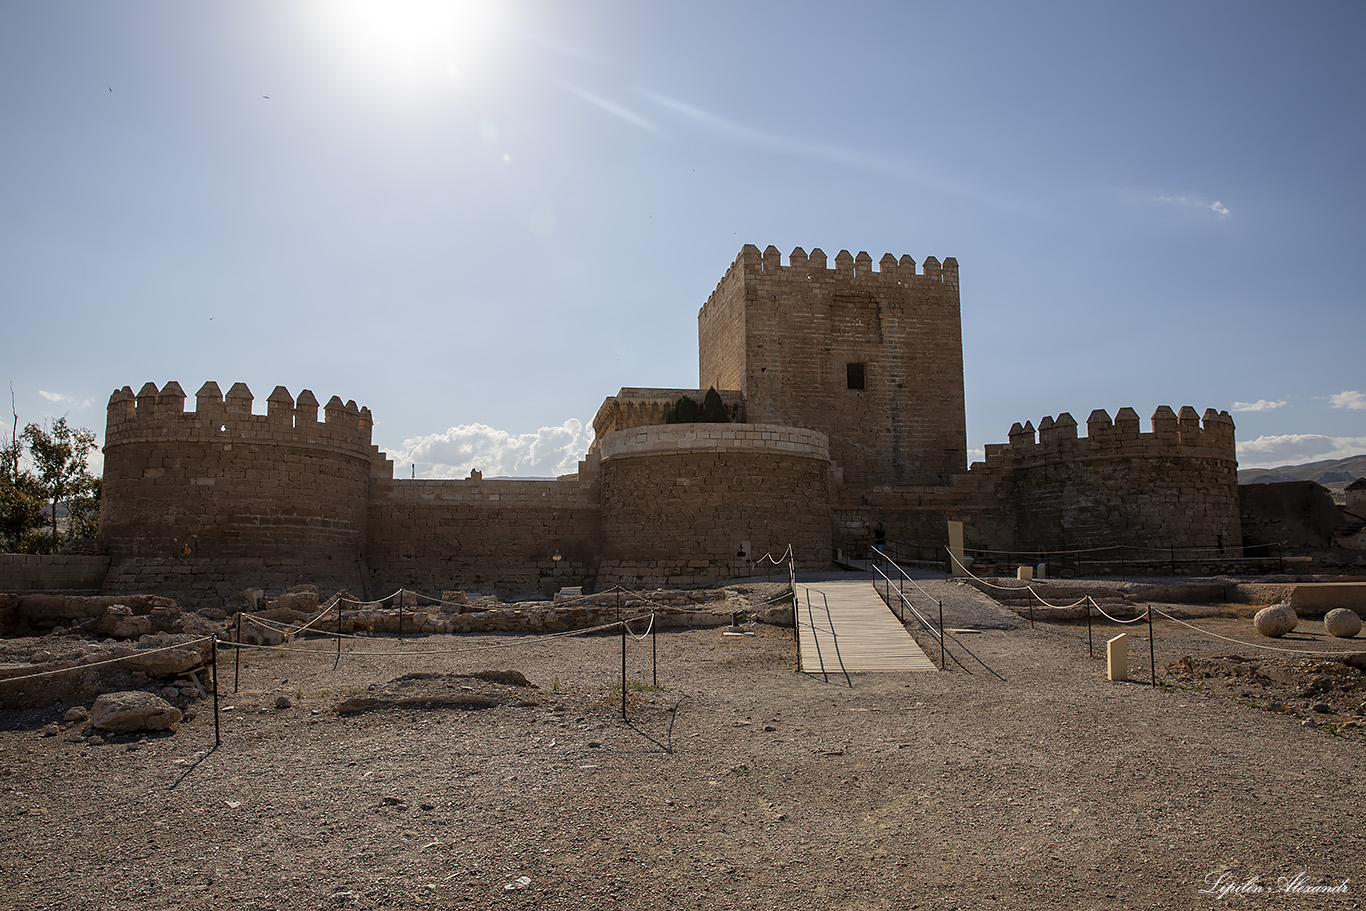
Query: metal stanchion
point(654, 651)
point(1090, 648)
point(1152, 651)
point(237, 658)
point(213, 666)
point(623, 670)
point(940, 602)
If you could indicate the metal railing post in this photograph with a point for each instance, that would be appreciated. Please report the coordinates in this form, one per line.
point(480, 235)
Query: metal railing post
point(940, 601)
point(213, 663)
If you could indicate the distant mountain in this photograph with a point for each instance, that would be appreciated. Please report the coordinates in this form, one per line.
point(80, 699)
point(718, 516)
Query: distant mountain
point(1335, 474)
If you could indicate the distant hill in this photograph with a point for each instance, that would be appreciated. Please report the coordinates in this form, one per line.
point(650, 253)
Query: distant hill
point(1335, 474)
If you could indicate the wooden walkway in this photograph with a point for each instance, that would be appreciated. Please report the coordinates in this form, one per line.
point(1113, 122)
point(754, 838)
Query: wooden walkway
point(844, 628)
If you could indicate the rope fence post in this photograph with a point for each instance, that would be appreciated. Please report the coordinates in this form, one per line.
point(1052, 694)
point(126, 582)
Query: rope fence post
point(213, 667)
point(398, 597)
point(337, 663)
point(654, 651)
point(1090, 647)
point(940, 602)
point(237, 658)
point(623, 670)
point(1152, 650)
point(1173, 558)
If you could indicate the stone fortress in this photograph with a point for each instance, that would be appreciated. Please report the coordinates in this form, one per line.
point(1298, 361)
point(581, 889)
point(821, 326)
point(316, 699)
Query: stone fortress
point(844, 385)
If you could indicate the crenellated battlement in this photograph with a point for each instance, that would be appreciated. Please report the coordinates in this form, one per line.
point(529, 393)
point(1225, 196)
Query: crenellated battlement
point(847, 269)
point(843, 380)
point(1172, 434)
point(160, 414)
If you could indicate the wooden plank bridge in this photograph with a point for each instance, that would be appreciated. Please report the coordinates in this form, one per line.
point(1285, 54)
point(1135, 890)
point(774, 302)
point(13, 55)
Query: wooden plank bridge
point(845, 628)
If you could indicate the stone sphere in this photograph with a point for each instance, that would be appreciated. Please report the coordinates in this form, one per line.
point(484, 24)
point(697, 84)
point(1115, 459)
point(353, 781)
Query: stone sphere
point(1275, 621)
point(1342, 623)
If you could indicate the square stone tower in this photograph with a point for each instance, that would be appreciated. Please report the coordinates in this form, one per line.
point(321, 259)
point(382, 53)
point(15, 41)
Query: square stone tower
point(873, 359)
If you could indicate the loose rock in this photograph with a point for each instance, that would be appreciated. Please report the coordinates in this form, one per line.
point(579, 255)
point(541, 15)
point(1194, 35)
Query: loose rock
point(1342, 623)
point(119, 713)
point(1275, 621)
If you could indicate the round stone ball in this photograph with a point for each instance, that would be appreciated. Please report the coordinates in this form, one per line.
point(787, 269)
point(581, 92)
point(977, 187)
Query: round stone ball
point(1275, 621)
point(1342, 623)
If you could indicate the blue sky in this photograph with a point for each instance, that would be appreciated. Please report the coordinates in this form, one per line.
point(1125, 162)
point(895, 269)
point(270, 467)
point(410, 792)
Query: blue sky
point(481, 219)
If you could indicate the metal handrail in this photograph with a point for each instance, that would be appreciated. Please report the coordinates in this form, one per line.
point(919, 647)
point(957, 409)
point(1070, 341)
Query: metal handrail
point(906, 602)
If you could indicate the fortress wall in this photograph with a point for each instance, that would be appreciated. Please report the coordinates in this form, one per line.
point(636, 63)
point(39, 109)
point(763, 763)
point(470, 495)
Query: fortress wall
point(52, 572)
point(477, 535)
point(1174, 486)
point(199, 504)
point(803, 324)
point(681, 503)
point(915, 519)
point(721, 332)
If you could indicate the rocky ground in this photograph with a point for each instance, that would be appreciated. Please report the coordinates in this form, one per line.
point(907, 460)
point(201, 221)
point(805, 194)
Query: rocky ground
point(1018, 778)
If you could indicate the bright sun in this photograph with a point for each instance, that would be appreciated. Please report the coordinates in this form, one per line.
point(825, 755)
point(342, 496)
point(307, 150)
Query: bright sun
point(412, 39)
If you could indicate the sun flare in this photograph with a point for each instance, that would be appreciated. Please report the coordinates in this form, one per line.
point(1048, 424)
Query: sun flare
point(412, 38)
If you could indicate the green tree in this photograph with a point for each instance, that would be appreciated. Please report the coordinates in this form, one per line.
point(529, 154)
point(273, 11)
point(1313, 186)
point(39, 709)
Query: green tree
point(685, 411)
point(21, 506)
point(713, 409)
point(62, 475)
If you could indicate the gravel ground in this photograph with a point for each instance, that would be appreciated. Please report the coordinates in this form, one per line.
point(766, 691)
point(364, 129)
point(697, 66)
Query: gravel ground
point(1019, 778)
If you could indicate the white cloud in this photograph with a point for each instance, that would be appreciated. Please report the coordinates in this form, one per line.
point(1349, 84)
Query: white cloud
point(1195, 202)
point(1296, 448)
point(547, 453)
point(1349, 399)
point(1259, 405)
point(58, 398)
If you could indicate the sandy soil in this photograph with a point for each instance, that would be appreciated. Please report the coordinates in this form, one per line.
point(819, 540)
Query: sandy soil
point(1019, 778)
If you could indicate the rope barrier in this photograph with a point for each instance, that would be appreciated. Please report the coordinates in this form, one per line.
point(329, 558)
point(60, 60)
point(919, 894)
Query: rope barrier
point(1016, 588)
point(377, 602)
point(80, 667)
point(643, 636)
point(1198, 548)
point(1107, 616)
point(524, 639)
point(1269, 648)
point(325, 611)
point(770, 558)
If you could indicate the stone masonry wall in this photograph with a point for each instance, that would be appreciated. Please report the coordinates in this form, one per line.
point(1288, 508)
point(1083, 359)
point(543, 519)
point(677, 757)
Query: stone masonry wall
point(198, 504)
point(1174, 487)
point(474, 535)
point(51, 572)
point(690, 503)
point(786, 336)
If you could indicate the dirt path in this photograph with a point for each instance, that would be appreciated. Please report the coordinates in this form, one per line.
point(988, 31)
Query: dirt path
point(1020, 778)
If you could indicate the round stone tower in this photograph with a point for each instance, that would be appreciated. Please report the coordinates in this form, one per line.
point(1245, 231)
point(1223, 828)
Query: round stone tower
point(196, 502)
